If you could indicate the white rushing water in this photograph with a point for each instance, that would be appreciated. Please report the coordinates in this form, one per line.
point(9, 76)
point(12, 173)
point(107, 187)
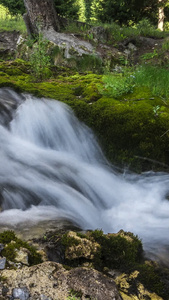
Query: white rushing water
point(52, 167)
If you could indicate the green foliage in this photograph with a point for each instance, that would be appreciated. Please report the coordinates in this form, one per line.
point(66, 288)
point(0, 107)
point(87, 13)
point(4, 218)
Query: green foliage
point(154, 279)
point(126, 12)
point(88, 4)
point(67, 9)
point(149, 55)
point(116, 33)
point(82, 12)
point(9, 22)
point(155, 78)
point(7, 236)
point(116, 85)
point(15, 7)
point(145, 28)
point(122, 250)
point(117, 251)
point(89, 63)
point(68, 241)
point(12, 243)
point(40, 60)
point(165, 46)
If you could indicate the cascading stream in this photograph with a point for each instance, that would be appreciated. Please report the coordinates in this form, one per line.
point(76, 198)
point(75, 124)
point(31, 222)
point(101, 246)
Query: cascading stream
point(52, 168)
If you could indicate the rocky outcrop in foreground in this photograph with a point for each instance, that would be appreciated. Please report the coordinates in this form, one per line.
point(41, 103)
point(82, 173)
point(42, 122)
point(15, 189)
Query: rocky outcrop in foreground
point(94, 266)
point(51, 280)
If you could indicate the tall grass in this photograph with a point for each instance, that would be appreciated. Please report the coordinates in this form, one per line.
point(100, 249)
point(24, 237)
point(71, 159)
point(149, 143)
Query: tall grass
point(155, 78)
point(9, 23)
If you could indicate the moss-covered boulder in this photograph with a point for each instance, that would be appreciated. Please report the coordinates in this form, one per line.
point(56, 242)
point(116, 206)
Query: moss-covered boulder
point(120, 256)
point(102, 251)
point(79, 247)
point(16, 250)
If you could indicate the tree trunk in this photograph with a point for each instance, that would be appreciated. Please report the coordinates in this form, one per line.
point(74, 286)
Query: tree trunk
point(41, 15)
point(161, 14)
point(161, 18)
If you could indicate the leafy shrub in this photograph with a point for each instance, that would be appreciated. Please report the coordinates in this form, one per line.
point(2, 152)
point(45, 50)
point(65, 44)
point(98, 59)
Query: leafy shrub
point(155, 279)
point(39, 60)
point(145, 28)
point(122, 250)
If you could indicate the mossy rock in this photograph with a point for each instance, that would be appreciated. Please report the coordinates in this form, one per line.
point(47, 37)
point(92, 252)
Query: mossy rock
point(148, 281)
point(12, 243)
point(135, 278)
point(112, 251)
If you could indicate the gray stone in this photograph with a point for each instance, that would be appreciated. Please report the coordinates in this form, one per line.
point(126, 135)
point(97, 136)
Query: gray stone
point(2, 263)
point(99, 33)
point(8, 43)
point(69, 43)
point(20, 293)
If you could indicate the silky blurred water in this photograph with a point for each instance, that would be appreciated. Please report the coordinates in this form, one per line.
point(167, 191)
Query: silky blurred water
point(51, 168)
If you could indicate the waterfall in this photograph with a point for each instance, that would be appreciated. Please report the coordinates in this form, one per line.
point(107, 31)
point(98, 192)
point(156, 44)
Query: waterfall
point(52, 168)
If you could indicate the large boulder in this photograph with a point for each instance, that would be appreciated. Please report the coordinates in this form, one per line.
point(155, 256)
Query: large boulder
point(53, 281)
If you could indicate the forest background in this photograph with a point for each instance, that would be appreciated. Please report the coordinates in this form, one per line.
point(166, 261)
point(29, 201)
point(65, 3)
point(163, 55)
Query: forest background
point(122, 12)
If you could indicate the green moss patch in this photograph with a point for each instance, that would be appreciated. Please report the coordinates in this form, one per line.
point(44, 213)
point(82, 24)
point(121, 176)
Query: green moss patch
point(11, 242)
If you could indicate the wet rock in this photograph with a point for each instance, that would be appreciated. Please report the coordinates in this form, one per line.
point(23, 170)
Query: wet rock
point(2, 263)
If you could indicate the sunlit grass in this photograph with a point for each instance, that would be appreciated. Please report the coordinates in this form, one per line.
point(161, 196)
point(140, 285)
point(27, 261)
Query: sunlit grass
point(10, 23)
point(155, 78)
